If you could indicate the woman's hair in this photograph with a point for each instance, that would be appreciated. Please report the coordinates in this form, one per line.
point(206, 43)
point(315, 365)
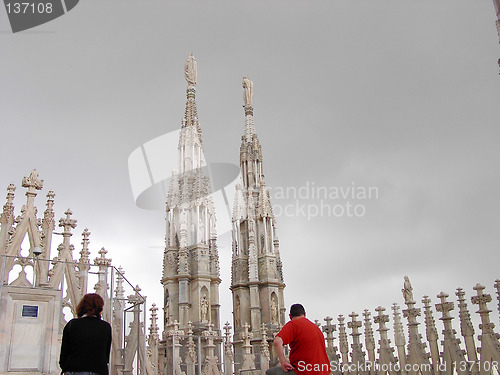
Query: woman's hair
point(91, 304)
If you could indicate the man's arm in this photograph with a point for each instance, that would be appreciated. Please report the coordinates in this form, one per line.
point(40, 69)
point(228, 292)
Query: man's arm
point(278, 347)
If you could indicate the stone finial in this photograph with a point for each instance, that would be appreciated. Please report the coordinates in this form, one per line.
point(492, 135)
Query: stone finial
point(246, 335)
point(210, 330)
point(50, 200)
point(32, 182)
point(354, 324)
point(329, 328)
point(48, 215)
point(176, 325)
point(444, 307)
point(119, 290)
point(135, 298)
point(481, 299)
point(153, 328)
point(381, 318)
point(84, 254)
point(67, 223)
point(227, 329)
point(10, 194)
point(103, 261)
point(8, 208)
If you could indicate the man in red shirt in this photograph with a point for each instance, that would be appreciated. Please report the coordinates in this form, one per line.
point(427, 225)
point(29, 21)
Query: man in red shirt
point(307, 346)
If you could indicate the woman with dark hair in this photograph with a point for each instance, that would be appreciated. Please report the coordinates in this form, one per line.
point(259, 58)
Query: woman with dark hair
point(86, 340)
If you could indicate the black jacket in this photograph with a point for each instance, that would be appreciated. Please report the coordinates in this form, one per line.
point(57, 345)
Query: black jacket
point(86, 344)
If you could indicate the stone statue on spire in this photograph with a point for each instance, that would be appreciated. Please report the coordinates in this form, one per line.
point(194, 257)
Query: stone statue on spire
point(407, 290)
point(248, 86)
point(190, 70)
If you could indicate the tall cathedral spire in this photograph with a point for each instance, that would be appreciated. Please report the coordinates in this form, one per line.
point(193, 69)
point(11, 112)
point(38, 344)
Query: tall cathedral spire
point(191, 262)
point(257, 280)
point(496, 3)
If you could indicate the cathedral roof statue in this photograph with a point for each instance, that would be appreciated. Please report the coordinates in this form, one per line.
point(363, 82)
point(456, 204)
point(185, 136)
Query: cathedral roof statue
point(190, 70)
point(248, 95)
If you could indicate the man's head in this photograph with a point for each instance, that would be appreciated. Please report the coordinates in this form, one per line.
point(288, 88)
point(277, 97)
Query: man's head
point(297, 310)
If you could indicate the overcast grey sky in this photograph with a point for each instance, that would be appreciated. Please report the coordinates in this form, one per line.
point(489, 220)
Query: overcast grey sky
point(395, 94)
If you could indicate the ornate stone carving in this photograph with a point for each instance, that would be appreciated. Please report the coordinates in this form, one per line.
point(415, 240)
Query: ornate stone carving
point(190, 70)
point(32, 182)
point(407, 290)
point(248, 95)
point(204, 307)
point(274, 311)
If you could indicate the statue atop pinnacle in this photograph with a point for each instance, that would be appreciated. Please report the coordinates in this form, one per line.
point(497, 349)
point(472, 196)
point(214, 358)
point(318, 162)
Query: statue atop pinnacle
point(190, 70)
point(248, 95)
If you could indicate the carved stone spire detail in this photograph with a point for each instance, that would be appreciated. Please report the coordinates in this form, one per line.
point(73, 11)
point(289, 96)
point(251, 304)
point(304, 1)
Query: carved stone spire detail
point(467, 329)
point(490, 347)
point(153, 328)
point(7, 218)
point(84, 254)
point(416, 348)
point(399, 337)
point(32, 182)
point(102, 260)
point(67, 223)
point(357, 354)
point(453, 355)
point(431, 333)
point(8, 207)
point(386, 356)
point(344, 344)
point(329, 328)
point(369, 339)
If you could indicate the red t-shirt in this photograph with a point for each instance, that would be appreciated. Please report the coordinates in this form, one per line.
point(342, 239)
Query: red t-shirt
point(307, 347)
